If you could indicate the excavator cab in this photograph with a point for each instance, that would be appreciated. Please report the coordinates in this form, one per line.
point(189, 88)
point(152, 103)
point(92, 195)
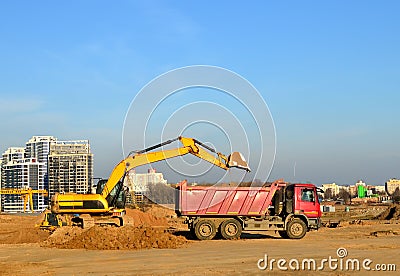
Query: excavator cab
point(117, 197)
point(100, 185)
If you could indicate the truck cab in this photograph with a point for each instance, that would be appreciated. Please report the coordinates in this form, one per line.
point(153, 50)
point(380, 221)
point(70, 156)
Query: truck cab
point(301, 200)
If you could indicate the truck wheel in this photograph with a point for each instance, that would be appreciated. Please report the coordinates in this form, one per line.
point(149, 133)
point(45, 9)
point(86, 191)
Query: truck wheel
point(205, 230)
point(192, 231)
point(296, 229)
point(283, 234)
point(231, 229)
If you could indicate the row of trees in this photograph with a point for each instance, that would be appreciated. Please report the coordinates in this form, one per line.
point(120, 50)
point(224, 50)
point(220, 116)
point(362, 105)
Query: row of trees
point(343, 194)
point(346, 196)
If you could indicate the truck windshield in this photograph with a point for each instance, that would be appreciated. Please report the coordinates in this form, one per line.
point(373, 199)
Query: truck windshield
point(307, 195)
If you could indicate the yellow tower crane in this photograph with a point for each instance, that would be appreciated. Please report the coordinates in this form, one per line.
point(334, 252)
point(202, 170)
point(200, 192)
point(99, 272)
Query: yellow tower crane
point(26, 195)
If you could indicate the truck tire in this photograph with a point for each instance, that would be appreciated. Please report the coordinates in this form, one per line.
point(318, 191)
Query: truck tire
point(192, 232)
point(230, 229)
point(205, 229)
point(296, 229)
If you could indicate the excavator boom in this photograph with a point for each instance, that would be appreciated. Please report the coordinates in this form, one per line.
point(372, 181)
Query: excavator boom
point(107, 200)
point(190, 145)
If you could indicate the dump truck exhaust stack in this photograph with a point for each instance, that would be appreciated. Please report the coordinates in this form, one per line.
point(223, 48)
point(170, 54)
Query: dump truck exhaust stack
point(237, 160)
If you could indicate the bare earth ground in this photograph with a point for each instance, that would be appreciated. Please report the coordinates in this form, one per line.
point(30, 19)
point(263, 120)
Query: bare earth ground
point(24, 251)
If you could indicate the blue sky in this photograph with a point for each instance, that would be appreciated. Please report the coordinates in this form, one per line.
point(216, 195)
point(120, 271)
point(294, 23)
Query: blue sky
point(329, 72)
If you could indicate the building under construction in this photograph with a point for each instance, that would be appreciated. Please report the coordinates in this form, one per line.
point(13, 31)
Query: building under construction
point(70, 167)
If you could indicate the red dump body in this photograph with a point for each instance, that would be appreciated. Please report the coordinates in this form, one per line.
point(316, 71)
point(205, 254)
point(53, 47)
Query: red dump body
point(241, 201)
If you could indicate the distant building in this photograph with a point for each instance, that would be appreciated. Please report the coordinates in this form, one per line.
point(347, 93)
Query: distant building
point(25, 168)
point(361, 189)
point(70, 167)
point(380, 189)
point(69, 163)
point(38, 147)
point(10, 155)
point(360, 182)
point(353, 190)
point(13, 153)
point(391, 185)
point(333, 187)
point(139, 182)
point(22, 174)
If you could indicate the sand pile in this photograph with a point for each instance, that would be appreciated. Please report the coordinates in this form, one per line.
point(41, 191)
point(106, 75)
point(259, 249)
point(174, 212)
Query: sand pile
point(108, 237)
point(20, 229)
point(147, 231)
point(391, 213)
point(167, 214)
point(140, 218)
point(160, 211)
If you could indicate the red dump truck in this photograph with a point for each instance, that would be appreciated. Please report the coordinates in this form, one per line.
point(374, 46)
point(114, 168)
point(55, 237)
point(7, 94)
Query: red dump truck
point(291, 210)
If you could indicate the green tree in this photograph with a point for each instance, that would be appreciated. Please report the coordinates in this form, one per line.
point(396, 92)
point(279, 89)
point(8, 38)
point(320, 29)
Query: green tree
point(345, 195)
point(328, 193)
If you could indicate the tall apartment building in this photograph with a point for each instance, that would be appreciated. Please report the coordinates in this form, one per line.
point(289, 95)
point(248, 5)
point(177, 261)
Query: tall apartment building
point(38, 147)
point(10, 155)
point(13, 153)
point(70, 167)
point(29, 161)
point(21, 174)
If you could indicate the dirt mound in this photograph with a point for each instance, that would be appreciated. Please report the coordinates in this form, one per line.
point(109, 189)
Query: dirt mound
point(147, 231)
point(20, 229)
point(391, 213)
point(147, 219)
point(40, 217)
point(167, 214)
point(160, 211)
point(106, 238)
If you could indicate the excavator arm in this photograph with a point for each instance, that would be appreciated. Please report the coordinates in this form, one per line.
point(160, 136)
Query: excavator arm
point(190, 145)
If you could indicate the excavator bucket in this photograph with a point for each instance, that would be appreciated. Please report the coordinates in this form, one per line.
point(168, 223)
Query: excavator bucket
point(237, 160)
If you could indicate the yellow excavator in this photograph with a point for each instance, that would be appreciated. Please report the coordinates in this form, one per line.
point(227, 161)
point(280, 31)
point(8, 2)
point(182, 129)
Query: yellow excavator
point(107, 206)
